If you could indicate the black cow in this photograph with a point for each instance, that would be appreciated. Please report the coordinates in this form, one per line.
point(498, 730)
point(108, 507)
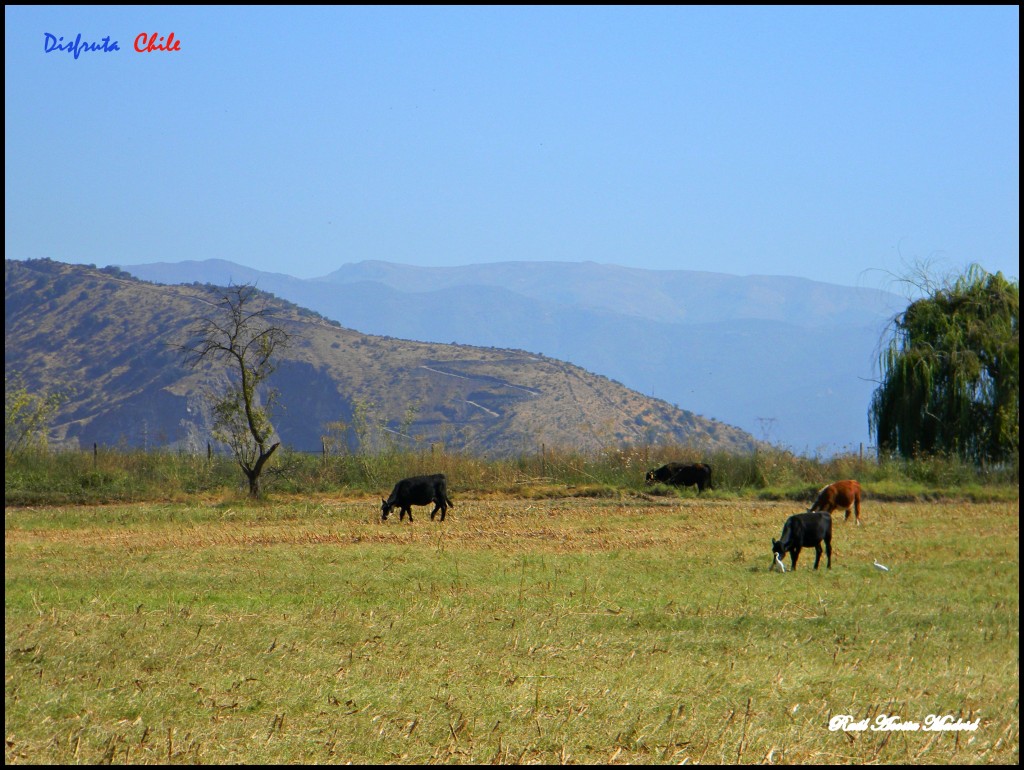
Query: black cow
point(417, 490)
point(804, 530)
point(682, 475)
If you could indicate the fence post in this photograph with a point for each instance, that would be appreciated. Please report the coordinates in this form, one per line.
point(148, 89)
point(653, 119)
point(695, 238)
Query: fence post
point(95, 455)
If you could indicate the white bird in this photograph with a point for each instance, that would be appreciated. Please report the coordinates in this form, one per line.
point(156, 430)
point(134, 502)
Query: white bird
point(881, 567)
point(779, 564)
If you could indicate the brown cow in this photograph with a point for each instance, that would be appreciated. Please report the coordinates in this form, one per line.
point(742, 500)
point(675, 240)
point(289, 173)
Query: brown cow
point(841, 495)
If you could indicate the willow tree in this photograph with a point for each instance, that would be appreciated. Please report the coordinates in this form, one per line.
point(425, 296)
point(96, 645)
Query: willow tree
point(950, 373)
point(242, 335)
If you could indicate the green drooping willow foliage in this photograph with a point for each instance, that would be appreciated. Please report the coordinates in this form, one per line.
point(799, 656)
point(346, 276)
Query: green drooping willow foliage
point(950, 373)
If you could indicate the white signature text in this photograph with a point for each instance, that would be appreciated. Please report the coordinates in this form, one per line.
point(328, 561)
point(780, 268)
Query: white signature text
point(885, 723)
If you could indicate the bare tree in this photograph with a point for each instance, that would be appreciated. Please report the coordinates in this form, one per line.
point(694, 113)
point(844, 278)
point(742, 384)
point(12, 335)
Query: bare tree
point(244, 336)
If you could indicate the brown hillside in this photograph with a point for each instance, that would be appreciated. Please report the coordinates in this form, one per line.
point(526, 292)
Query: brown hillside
point(112, 343)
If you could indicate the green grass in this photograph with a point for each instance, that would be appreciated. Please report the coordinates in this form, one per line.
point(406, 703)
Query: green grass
point(581, 630)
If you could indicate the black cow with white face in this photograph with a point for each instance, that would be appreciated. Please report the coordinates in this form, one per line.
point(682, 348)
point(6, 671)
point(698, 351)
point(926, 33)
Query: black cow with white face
point(417, 490)
point(803, 530)
point(682, 475)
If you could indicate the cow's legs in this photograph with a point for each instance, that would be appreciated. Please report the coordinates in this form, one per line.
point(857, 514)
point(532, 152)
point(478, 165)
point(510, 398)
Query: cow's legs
point(439, 505)
point(817, 555)
point(794, 555)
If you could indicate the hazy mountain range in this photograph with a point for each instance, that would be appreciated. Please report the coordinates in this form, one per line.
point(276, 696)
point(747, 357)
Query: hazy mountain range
point(113, 345)
point(789, 360)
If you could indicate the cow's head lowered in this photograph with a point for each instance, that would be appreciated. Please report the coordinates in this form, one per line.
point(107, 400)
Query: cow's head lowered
point(804, 530)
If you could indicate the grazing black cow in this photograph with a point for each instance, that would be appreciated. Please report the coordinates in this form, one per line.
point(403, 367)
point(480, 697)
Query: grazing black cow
point(682, 475)
point(417, 490)
point(804, 530)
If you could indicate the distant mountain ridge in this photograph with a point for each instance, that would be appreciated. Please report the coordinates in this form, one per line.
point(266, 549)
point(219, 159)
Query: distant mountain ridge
point(112, 343)
point(666, 296)
point(789, 360)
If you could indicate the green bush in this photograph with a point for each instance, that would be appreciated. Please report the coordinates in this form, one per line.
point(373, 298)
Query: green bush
point(116, 475)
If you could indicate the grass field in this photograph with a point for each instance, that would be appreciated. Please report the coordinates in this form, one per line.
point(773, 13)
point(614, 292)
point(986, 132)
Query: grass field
point(631, 630)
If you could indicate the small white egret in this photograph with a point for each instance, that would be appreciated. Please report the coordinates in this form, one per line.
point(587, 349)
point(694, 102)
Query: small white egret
point(779, 564)
point(881, 567)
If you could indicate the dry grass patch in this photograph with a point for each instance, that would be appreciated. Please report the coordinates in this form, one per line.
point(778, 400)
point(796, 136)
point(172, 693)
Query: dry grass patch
point(564, 630)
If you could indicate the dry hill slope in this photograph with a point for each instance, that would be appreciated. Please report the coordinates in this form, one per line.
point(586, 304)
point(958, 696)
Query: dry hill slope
point(744, 349)
point(112, 342)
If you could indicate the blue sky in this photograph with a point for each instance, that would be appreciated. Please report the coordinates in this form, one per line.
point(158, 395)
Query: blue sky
point(839, 144)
